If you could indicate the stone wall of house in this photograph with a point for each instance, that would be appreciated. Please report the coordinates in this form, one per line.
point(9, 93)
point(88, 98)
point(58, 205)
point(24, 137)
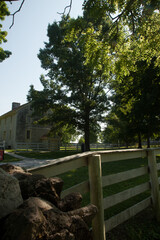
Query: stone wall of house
point(7, 129)
point(17, 126)
point(25, 122)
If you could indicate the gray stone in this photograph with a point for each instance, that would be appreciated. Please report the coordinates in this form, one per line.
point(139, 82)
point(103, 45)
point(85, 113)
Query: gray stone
point(10, 193)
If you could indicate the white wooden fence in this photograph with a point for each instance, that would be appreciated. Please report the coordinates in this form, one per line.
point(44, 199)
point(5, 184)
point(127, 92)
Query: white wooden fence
point(36, 146)
point(39, 146)
point(96, 182)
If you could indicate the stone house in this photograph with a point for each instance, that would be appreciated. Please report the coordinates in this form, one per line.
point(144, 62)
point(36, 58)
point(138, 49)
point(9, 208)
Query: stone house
point(17, 127)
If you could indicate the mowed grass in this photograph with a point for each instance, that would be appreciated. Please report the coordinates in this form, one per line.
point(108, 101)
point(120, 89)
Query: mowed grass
point(141, 227)
point(9, 159)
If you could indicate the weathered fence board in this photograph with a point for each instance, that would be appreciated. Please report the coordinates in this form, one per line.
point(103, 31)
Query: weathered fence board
point(122, 196)
point(158, 166)
point(118, 155)
point(127, 214)
point(96, 196)
point(154, 182)
point(55, 169)
point(156, 150)
point(123, 176)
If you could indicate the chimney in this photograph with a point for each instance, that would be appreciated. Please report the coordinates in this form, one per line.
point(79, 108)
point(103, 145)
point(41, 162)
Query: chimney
point(15, 105)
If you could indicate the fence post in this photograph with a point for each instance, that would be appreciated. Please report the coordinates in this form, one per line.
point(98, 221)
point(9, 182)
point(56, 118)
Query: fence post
point(96, 196)
point(154, 182)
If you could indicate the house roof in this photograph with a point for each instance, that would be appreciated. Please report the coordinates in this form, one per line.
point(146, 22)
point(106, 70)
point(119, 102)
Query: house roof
point(14, 111)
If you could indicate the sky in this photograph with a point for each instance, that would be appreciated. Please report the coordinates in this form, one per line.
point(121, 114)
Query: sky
point(24, 40)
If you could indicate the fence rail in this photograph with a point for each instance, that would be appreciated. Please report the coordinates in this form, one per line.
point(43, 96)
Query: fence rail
point(63, 147)
point(96, 182)
point(40, 146)
point(36, 146)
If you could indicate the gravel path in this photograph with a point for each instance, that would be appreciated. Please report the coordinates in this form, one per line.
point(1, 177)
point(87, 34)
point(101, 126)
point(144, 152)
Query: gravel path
point(28, 162)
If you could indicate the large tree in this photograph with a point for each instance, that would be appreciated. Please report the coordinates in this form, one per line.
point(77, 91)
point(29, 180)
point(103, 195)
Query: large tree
point(3, 12)
point(74, 90)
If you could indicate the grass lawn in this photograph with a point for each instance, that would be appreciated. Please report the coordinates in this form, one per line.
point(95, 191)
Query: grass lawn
point(9, 159)
point(141, 227)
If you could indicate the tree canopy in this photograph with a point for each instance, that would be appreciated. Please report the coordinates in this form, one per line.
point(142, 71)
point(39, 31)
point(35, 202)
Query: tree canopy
point(3, 12)
point(136, 101)
point(73, 89)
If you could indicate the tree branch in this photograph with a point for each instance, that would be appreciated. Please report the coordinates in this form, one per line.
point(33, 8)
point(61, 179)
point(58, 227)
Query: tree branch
point(13, 15)
point(133, 24)
point(69, 6)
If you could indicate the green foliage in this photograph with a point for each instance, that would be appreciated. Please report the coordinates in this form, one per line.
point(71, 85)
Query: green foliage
point(136, 99)
point(118, 130)
point(94, 134)
point(75, 91)
point(142, 46)
point(132, 13)
point(81, 140)
point(133, 31)
point(3, 12)
point(65, 132)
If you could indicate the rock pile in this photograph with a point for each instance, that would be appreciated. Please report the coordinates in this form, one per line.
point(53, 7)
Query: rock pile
point(31, 208)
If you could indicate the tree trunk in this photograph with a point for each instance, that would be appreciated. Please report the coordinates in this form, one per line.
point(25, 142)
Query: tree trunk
point(148, 141)
point(87, 132)
point(126, 144)
point(139, 140)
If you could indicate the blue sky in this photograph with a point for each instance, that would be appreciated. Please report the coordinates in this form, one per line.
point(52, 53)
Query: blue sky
point(25, 39)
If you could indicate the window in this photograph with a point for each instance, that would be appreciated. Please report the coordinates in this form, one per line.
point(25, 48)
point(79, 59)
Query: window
point(28, 134)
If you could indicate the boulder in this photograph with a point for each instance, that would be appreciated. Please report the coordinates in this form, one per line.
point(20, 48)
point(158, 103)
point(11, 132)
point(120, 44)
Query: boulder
point(36, 185)
point(10, 193)
point(38, 219)
point(70, 202)
point(11, 169)
point(43, 214)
